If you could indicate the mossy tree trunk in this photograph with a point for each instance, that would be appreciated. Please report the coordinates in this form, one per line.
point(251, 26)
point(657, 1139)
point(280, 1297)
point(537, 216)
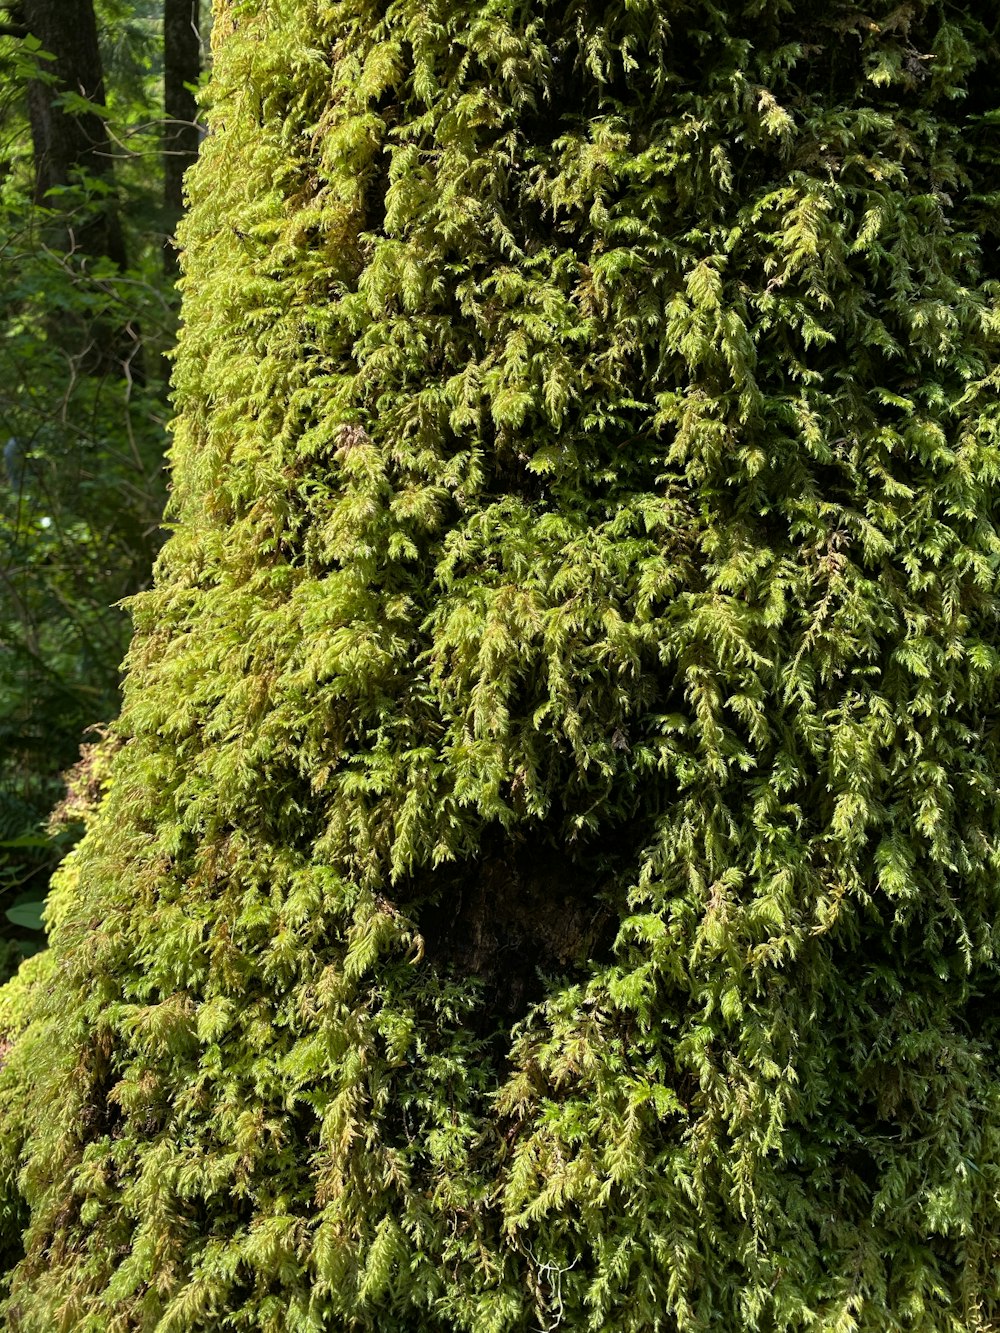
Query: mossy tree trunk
point(551, 874)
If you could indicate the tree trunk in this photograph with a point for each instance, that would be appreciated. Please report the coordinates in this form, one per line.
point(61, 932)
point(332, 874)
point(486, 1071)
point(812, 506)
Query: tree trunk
point(181, 69)
point(72, 144)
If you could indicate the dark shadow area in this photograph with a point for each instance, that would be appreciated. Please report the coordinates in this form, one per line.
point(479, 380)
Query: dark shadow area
point(522, 910)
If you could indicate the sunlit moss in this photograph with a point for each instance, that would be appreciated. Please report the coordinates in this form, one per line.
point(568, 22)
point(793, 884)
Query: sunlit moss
point(551, 876)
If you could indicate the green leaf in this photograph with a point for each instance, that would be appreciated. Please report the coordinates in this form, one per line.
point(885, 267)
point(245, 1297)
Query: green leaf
point(26, 911)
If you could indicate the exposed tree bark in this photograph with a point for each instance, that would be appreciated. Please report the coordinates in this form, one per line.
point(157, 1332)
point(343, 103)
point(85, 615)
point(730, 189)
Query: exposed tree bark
point(69, 144)
point(181, 69)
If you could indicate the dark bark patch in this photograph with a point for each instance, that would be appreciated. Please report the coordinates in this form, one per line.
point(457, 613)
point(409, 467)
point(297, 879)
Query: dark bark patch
point(522, 911)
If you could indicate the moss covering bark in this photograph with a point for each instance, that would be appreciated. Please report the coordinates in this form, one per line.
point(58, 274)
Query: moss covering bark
point(551, 877)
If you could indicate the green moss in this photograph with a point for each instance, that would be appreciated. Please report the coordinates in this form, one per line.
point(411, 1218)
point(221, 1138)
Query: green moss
point(550, 879)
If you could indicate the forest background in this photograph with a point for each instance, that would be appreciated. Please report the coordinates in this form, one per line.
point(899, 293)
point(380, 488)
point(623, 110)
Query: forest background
point(98, 121)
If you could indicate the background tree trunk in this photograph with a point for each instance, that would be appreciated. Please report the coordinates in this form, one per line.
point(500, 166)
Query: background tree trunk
point(181, 69)
point(69, 144)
